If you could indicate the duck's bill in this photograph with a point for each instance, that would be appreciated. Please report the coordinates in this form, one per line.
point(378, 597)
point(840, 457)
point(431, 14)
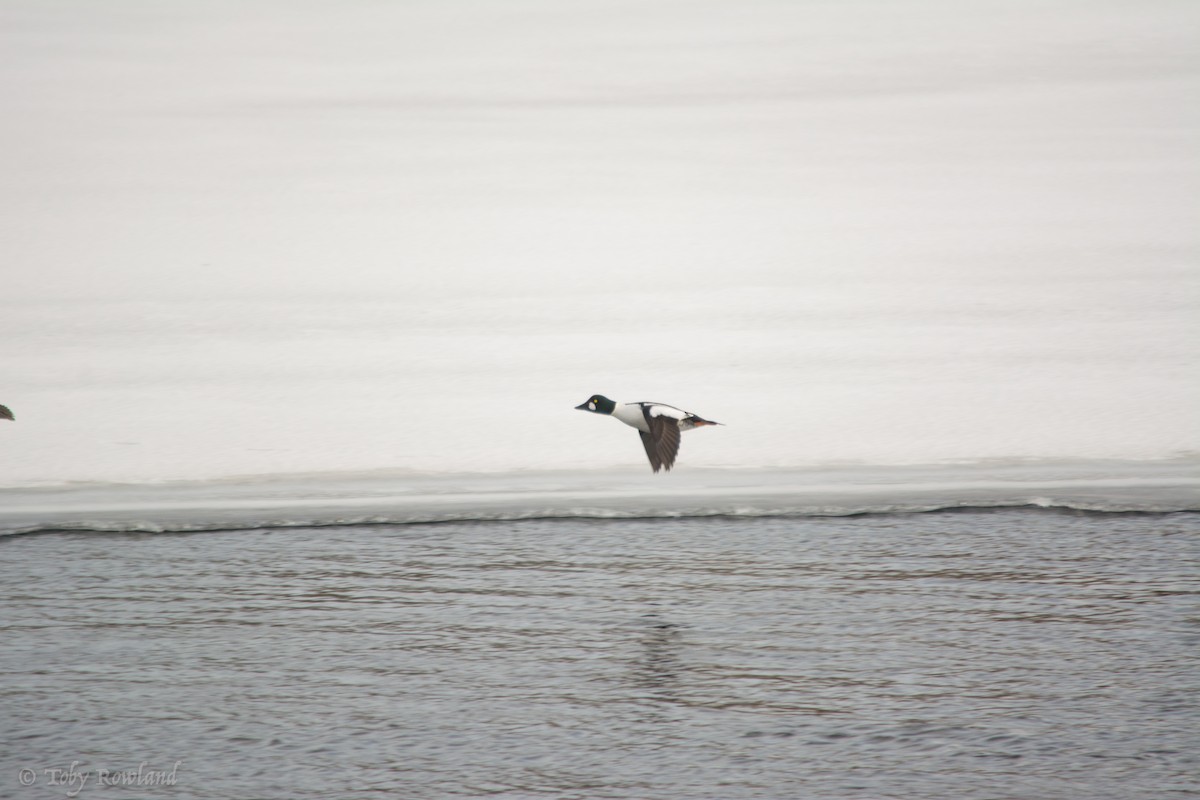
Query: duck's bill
point(582, 407)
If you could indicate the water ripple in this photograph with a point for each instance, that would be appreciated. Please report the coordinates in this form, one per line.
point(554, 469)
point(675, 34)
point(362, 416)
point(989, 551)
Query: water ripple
point(973, 655)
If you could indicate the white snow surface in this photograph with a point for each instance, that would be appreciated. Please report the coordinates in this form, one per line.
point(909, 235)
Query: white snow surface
point(265, 237)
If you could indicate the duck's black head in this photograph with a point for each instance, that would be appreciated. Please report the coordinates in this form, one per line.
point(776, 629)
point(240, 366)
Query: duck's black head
point(597, 404)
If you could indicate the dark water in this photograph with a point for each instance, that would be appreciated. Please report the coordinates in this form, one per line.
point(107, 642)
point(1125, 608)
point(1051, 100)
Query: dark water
point(1003, 654)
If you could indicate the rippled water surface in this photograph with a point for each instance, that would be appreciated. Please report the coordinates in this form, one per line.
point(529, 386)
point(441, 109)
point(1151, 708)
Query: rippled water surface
point(1004, 654)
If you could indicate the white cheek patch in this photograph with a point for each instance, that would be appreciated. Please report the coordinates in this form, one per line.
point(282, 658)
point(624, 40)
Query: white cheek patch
point(591, 405)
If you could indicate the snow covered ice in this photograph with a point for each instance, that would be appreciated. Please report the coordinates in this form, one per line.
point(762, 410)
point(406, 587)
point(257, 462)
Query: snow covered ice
point(259, 238)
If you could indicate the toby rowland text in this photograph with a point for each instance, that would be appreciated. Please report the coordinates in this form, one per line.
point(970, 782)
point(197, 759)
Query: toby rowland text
point(74, 779)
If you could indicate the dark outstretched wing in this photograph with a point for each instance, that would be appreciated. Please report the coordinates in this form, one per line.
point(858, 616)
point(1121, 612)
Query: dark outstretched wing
point(5, 413)
point(651, 451)
point(662, 442)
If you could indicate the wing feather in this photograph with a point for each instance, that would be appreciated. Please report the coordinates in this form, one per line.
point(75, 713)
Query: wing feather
point(651, 451)
point(662, 442)
point(665, 432)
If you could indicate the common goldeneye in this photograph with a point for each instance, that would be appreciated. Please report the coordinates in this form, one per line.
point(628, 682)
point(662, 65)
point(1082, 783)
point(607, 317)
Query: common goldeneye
point(658, 424)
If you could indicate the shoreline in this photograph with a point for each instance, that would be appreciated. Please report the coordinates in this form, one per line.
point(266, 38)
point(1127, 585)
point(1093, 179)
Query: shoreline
point(391, 498)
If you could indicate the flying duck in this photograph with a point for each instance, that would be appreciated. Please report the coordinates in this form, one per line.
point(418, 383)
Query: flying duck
point(658, 424)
